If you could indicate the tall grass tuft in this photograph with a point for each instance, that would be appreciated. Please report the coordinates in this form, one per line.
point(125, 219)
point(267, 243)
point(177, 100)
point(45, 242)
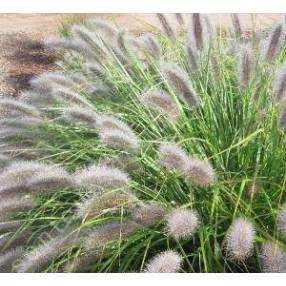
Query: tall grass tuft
point(148, 153)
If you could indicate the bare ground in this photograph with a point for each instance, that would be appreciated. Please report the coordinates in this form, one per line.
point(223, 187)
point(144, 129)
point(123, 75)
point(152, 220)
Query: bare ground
point(22, 55)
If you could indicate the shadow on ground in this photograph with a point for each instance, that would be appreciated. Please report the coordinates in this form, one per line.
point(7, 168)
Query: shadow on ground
point(26, 57)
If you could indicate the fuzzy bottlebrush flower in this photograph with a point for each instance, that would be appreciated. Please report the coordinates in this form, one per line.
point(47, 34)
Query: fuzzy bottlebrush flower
point(123, 162)
point(166, 26)
point(236, 26)
point(4, 161)
point(29, 176)
point(37, 99)
point(107, 122)
point(12, 240)
point(173, 157)
point(67, 96)
point(10, 206)
point(246, 65)
point(122, 42)
point(179, 80)
point(50, 180)
point(80, 115)
point(209, 30)
point(198, 31)
point(103, 28)
point(111, 201)
point(38, 258)
point(180, 19)
point(273, 44)
point(149, 44)
point(9, 259)
point(281, 221)
point(273, 258)
point(182, 223)
point(95, 70)
point(109, 232)
point(165, 262)
point(76, 45)
point(280, 84)
point(200, 173)
point(10, 133)
point(282, 114)
point(120, 140)
point(162, 102)
point(47, 82)
point(100, 177)
point(90, 38)
point(81, 263)
point(9, 226)
point(11, 108)
point(23, 122)
point(149, 214)
point(240, 240)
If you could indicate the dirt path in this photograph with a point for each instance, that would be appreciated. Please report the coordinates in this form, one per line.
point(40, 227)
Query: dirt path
point(22, 55)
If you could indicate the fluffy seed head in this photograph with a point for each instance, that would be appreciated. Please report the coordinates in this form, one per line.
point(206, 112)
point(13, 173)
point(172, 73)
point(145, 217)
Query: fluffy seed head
point(246, 65)
point(120, 140)
point(282, 114)
point(149, 214)
point(38, 258)
point(79, 115)
point(106, 122)
point(90, 38)
point(198, 30)
point(9, 226)
point(236, 26)
point(50, 180)
point(173, 157)
point(11, 108)
point(151, 45)
point(165, 262)
point(166, 26)
point(108, 232)
point(192, 55)
point(75, 45)
point(4, 161)
point(13, 205)
point(179, 80)
point(81, 264)
point(180, 19)
point(27, 176)
point(162, 102)
point(200, 173)
point(111, 201)
point(67, 96)
point(280, 84)
point(281, 221)
point(103, 27)
point(100, 177)
point(123, 162)
point(182, 223)
point(12, 240)
point(9, 259)
point(240, 240)
point(273, 44)
point(273, 258)
point(95, 70)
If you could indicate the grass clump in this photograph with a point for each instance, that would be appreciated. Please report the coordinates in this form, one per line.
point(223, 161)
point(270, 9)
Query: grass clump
point(157, 153)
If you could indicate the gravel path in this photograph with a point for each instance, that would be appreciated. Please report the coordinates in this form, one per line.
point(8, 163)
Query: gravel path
point(22, 55)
